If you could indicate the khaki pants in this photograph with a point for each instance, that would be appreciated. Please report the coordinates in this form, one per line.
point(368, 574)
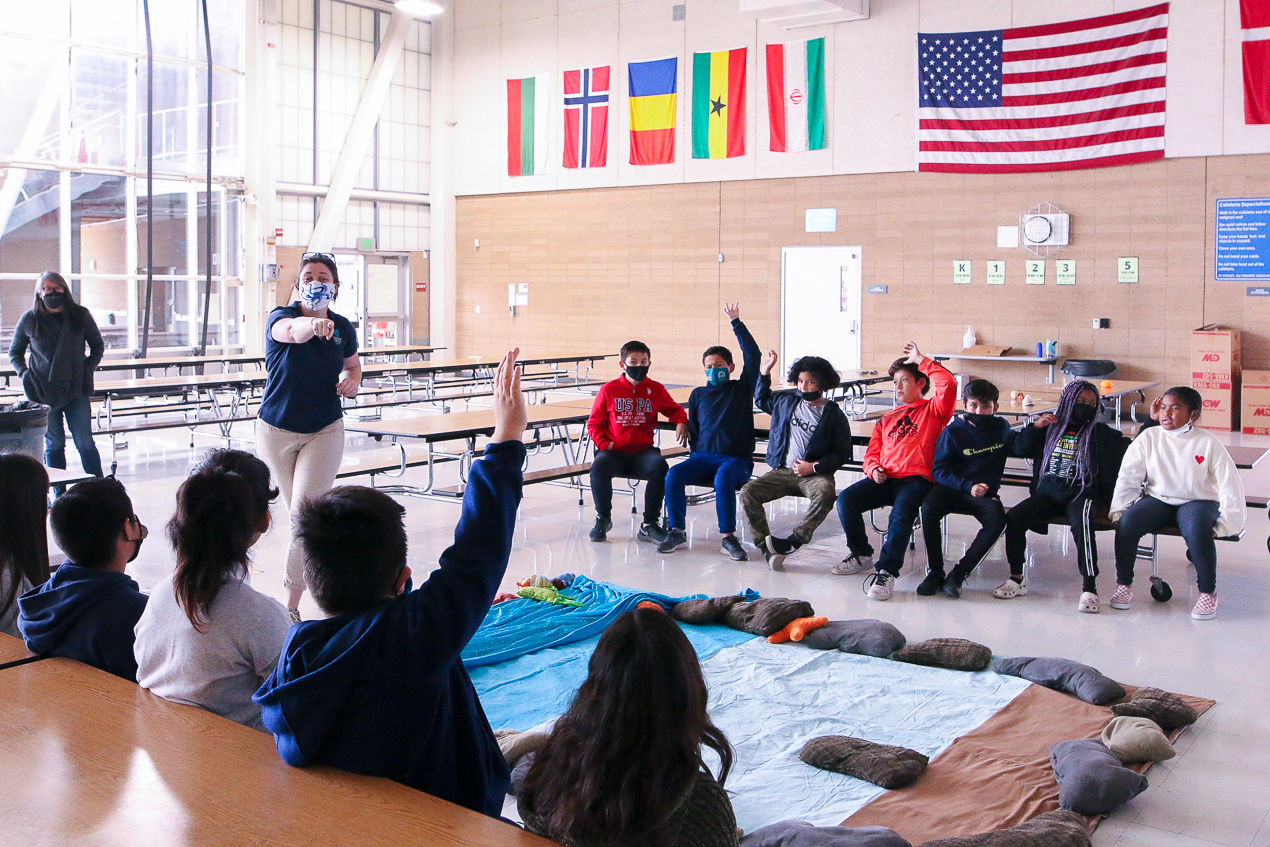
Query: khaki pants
point(302, 464)
point(783, 482)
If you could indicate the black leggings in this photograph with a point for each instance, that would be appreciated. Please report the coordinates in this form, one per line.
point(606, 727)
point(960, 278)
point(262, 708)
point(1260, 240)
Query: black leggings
point(1036, 511)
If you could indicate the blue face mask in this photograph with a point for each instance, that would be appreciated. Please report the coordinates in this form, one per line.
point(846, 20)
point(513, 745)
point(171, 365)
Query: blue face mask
point(717, 376)
point(316, 296)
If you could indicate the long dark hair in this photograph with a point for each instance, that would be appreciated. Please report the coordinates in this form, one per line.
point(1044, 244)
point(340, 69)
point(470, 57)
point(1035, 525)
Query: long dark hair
point(621, 760)
point(24, 546)
point(219, 510)
point(1083, 469)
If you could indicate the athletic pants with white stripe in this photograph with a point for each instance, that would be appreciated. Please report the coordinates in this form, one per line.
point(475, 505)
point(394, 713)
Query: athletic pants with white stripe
point(1035, 511)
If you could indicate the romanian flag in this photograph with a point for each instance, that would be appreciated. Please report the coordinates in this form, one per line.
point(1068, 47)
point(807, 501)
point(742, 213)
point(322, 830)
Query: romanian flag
point(653, 91)
point(718, 104)
point(526, 126)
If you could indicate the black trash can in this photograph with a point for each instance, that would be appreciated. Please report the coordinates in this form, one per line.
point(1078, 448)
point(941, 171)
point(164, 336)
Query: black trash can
point(1090, 369)
point(22, 427)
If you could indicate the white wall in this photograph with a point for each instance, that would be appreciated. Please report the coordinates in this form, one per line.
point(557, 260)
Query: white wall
point(870, 70)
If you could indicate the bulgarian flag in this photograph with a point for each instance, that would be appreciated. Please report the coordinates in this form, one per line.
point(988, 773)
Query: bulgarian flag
point(527, 126)
point(796, 95)
point(718, 104)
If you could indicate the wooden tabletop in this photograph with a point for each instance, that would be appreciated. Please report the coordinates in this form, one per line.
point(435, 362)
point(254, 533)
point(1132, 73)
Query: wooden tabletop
point(464, 424)
point(173, 384)
point(59, 476)
point(12, 649)
point(1246, 458)
point(89, 758)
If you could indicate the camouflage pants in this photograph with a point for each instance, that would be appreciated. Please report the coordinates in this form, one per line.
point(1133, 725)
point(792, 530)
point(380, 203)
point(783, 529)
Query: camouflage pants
point(782, 482)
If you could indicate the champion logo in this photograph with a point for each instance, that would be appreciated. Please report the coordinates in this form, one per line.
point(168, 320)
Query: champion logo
point(1199, 459)
point(796, 96)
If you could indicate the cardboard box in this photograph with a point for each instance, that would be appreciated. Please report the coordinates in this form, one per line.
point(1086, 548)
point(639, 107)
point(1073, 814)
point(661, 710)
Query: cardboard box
point(1255, 407)
point(1220, 412)
point(1215, 353)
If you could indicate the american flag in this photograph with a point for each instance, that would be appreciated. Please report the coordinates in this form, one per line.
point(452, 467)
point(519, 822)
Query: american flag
point(586, 117)
point(1080, 94)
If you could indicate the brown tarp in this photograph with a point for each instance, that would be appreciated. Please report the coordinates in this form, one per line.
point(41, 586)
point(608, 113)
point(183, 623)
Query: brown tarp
point(995, 776)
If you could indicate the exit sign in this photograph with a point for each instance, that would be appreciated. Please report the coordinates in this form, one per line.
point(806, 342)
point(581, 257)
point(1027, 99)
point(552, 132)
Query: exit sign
point(365, 244)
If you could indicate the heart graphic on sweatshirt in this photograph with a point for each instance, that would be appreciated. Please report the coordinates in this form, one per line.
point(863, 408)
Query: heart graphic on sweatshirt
point(1199, 459)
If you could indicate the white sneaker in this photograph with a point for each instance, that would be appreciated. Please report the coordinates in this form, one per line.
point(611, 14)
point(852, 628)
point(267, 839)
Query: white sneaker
point(879, 585)
point(1010, 589)
point(853, 564)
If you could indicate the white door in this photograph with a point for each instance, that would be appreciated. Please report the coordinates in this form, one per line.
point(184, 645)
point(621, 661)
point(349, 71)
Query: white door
point(820, 305)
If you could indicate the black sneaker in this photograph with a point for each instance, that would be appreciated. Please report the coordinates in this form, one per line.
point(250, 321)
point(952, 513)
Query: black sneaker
point(675, 539)
point(779, 548)
point(952, 585)
point(732, 547)
point(600, 532)
point(931, 584)
point(653, 533)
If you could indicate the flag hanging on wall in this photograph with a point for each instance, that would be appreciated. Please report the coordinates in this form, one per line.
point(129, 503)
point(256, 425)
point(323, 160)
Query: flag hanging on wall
point(1080, 94)
point(796, 95)
point(586, 117)
point(527, 126)
point(718, 104)
point(653, 93)
point(1254, 19)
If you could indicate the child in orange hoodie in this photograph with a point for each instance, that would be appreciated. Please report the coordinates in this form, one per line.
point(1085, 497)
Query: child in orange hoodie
point(897, 468)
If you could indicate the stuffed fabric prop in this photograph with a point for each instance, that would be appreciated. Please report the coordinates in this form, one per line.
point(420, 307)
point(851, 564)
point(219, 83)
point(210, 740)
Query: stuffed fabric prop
point(803, 834)
point(763, 617)
point(797, 630)
point(957, 654)
point(1091, 780)
point(880, 764)
point(1133, 739)
point(519, 773)
point(702, 611)
point(1059, 828)
point(866, 637)
point(516, 745)
point(1074, 678)
point(548, 595)
point(1168, 710)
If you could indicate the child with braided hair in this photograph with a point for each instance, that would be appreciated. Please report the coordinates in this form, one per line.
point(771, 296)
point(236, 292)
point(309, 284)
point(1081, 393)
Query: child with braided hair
point(1075, 460)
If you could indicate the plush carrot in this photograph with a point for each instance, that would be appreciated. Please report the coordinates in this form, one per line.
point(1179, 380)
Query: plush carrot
point(796, 629)
point(649, 604)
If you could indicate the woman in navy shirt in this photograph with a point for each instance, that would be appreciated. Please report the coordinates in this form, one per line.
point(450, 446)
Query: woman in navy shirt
point(311, 355)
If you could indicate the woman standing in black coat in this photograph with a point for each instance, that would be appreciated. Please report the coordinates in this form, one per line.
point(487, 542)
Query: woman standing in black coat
point(48, 352)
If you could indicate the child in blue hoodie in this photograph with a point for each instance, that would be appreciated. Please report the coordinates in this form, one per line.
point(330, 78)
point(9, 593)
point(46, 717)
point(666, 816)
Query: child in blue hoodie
point(88, 609)
point(969, 460)
point(378, 687)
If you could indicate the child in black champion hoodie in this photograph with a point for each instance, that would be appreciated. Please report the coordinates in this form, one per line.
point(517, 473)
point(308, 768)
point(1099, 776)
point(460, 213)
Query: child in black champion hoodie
point(969, 460)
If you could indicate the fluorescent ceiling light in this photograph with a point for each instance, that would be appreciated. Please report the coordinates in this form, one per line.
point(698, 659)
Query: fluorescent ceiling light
point(419, 8)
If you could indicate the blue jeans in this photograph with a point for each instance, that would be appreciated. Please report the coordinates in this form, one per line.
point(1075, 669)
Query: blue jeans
point(79, 419)
point(904, 494)
point(1196, 519)
point(725, 473)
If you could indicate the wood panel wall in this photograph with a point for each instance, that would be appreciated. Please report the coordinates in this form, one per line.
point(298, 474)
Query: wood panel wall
point(607, 265)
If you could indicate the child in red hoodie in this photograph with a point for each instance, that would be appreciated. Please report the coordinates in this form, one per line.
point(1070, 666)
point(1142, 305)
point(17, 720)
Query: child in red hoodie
point(622, 423)
point(897, 468)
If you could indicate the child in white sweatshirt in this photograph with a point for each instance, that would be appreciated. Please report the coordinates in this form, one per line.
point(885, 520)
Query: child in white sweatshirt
point(1176, 473)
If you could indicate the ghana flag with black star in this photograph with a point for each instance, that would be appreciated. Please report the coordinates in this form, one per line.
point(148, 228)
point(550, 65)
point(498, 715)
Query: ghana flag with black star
point(718, 104)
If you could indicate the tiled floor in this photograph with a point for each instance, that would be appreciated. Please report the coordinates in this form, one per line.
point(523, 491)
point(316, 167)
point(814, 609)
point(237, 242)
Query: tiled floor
point(1217, 790)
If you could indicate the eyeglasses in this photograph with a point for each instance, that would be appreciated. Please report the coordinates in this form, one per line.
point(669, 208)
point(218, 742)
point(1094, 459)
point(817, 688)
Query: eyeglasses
point(330, 257)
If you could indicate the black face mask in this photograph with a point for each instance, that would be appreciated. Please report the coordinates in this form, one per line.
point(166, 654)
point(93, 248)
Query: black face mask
point(978, 419)
point(1082, 414)
point(636, 372)
point(144, 534)
point(54, 299)
point(810, 396)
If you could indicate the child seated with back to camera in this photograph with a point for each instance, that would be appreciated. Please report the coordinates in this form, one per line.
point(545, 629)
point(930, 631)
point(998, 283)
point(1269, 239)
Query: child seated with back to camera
point(969, 460)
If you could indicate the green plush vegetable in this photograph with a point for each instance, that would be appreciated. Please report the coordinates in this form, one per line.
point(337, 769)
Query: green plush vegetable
point(548, 595)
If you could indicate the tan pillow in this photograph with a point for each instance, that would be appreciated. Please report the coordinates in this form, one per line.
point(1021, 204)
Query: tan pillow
point(1134, 739)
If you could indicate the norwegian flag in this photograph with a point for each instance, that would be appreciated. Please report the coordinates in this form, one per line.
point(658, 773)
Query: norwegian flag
point(586, 117)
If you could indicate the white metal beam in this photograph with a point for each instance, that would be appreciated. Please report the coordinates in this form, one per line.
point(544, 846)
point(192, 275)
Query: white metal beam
point(361, 132)
point(37, 125)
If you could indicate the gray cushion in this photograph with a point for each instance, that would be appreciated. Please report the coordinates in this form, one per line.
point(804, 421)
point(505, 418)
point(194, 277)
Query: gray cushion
point(880, 764)
point(955, 653)
point(519, 772)
point(707, 610)
point(763, 617)
point(1132, 739)
point(1168, 710)
point(1082, 681)
point(1059, 828)
point(1091, 780)
point(803, 834)
point(866, 637)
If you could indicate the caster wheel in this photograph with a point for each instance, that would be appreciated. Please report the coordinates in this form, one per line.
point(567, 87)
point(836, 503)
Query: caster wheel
point(1160, 590)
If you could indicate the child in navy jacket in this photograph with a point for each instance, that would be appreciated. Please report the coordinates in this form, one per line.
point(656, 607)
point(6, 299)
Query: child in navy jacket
point(969, 460)
point(88, 609)
point(379, 687)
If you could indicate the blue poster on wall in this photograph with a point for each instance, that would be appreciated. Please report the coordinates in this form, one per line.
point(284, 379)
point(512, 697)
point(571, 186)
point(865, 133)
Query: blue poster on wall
point(1243, 238)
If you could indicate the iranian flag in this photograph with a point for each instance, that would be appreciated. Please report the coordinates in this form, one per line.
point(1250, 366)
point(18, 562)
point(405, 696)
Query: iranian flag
point(527, 126)
point(796, 95)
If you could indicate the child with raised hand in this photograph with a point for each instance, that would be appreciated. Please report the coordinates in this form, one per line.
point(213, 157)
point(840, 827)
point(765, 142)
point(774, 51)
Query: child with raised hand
point(207, 638)
point(810, 439)
point(624, 764)
point(969, 460)
point(1176, 473)
point(721, 435)
point(378, 687)
point(1075, 460)
point(622, 427)
point(897, 468)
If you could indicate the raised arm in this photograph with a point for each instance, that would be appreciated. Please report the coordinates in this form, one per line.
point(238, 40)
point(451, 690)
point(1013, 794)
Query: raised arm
point(301, 329)
point(763, 391)
point(751, 356)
